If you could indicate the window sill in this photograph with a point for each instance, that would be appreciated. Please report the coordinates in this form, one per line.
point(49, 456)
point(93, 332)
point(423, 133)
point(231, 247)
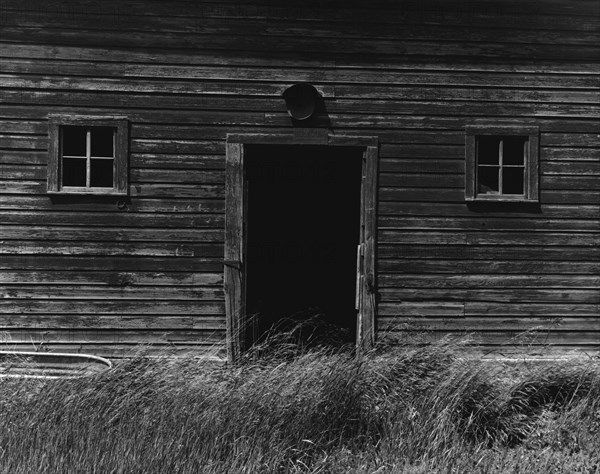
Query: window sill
point(491, 199)
point(87, 192)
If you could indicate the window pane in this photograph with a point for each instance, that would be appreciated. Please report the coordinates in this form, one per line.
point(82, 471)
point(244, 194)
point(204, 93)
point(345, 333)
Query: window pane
point(488, 150)
point(512, 180)
point(73, 141)
point(73, 171)
point(101, 173)
point(102, 141)
point(513, 150)
point(487, 179)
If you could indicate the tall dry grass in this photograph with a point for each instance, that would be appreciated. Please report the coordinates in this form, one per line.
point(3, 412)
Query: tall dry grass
point(299, 409)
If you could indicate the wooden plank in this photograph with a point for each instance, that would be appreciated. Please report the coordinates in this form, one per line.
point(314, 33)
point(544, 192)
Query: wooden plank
point(569, 182)
point(368, 303)
point(159, 161)
point(196, 349)
point(24, 142)
point(82, 336)
point(275, 59)
point(414, 309)
point(456, 210)
point(331, 10)
point(250, 99)
point(471, 112)
point(231, 96)
point(234, 284)
point(23, 157)
point(403, 123)
point(182, 176)
point(259, 44)
point(132, 77)
point(570, 139)
point(185, 191)
point(490, 238)
point(24, 278)
point(496, 323)
point(515, 341)
point(499, 294)
point(85, 292)
point(23, 127)
point(124, 220)
point(151, 208)
point(456, 195)
point(108, 322)
point(489, 281)
point(415, 27)
point(78, 248)
point(492, 252)
point(485, 223)
point(531, 309)
point(566, 153)
point(113, 234)
point(367, 99)
point(487, 266)
point(121, 307)
point(121, 263)
point(100, 53)
point(140, 145)
point(415, 180)
point(573, 168)
point(425, 165)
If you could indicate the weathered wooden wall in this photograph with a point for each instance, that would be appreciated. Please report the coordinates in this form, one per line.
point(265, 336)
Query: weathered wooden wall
point(80, 274)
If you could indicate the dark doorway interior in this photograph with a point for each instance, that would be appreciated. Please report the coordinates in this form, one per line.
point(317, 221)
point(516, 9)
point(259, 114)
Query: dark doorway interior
point(302, 235)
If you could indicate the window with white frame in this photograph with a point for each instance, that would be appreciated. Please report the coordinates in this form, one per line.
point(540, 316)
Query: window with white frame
point(87, 155)
point(502, 163)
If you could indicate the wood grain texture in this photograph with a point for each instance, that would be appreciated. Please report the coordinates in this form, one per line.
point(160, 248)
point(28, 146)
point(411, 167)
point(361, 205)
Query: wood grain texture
point(234, 283)
point(101, 274)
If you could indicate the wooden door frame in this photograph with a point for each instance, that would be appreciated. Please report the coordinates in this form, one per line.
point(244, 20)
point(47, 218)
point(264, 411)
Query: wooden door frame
point(235, 217)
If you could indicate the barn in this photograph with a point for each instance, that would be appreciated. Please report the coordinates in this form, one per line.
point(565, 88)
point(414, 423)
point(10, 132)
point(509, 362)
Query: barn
point(182, 174)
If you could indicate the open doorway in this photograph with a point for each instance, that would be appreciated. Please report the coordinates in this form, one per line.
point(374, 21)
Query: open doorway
point(302, 234)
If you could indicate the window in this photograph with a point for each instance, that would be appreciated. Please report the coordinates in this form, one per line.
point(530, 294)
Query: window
point(87, 155)
point(501, 163)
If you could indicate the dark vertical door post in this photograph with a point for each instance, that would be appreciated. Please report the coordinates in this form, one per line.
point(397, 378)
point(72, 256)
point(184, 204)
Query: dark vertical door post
point(365, 334)
point(234, 248)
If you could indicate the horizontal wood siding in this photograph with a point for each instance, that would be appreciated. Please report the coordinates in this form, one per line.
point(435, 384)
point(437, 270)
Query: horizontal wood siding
point(93, 275)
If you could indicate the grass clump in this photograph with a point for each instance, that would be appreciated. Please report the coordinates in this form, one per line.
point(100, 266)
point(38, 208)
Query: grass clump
point(315, 409)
